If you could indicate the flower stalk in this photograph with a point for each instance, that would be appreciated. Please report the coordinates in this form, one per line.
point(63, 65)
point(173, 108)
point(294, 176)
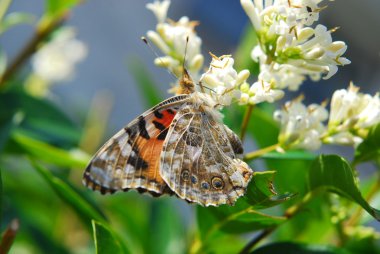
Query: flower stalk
point(258, 153)
point(246, 118)
point(43, 30)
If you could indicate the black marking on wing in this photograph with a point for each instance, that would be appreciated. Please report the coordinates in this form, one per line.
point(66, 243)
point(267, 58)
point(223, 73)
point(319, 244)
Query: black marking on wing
point(131, 133)
point(137, 162)
point(158, 114)
point(159, 125)
point(142, 128)
point(163, 134)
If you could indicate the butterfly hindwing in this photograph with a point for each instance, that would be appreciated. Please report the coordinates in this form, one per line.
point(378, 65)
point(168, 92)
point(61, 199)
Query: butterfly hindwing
point(199, 161)
point(130, 159)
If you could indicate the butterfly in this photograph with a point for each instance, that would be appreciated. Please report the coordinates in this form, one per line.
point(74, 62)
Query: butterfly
point(179, 147)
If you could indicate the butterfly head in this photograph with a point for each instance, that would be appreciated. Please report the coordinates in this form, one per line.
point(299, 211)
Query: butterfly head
point(186, 84)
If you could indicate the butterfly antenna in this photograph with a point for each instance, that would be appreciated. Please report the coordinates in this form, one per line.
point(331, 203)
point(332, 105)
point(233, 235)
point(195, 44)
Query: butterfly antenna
point(184, 56)
point(158, 57)
point(206, 87)
point(185, 73)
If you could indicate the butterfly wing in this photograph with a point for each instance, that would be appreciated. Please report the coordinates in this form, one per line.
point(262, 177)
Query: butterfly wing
point(199, 161)
point(130, 159)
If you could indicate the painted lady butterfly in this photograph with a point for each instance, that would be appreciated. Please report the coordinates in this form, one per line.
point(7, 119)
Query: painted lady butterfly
point(179, 147)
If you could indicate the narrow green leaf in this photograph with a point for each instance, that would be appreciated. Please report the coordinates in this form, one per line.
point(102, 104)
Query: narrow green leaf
point(298, 248)
point(3, 61)
point(145, 84)
point(369, 149)
point(4, 6)
point(48, 153)
point(84, 209)
point(14, 19)
point(106, 240)
point(40, 118)
point(335, 174)
point(58, 7)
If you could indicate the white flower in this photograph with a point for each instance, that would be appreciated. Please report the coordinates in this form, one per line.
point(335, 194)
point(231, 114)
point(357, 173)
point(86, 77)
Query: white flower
point(369, 111)
point(289, 50)
point(301, 126)
point(160, 9)
point(56, 60)
point(173, 39)
point(352, 114)
point(261, 91)
point(343, 138)
point(343, 104)
point(223, 79)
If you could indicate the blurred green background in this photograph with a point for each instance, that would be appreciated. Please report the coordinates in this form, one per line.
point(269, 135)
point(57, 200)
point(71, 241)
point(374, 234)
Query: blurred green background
point(45, 143)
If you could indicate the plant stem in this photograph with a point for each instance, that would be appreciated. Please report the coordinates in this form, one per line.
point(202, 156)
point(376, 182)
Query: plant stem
point(256, 240)
point(289, 213)
point(258, 153)
point(244, 126)
point(42, 31)
point(9, 236)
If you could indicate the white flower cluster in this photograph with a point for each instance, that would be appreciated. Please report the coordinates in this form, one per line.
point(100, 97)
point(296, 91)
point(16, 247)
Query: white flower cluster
point(351, 116)
point(301, 126)
point(259, 91)
point(224, 80)
point(289, 50)
point(172, 38)
point(56, 60)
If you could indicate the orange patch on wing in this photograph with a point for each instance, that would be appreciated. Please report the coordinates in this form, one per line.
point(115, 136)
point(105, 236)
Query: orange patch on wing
point(151, 154)
point(150, 149)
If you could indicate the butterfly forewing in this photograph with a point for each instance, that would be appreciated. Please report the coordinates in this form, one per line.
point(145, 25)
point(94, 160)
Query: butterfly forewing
point(130, 159)
point(199, 161)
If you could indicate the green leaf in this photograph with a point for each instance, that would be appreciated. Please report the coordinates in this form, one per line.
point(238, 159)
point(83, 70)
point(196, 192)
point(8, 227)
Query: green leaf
point(105, 240)
point(243, 52)
point(261, 125)
point(48, 153)
point(1, 196)
point(238, 222)
point(335, 174)
point(14, 19)
point(7, 124)
point(369, 149)
point(364, 240)
point(59, 7)
point(243, 216)
point(145, 84)
point(84, 209)
point(166, 230)
point(298, 248)
point(261, 194)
